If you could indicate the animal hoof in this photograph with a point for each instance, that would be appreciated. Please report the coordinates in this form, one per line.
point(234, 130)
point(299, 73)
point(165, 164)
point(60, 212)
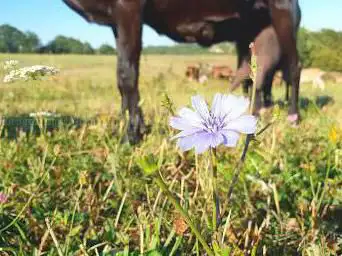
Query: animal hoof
point(136, 135)
point(134, 138)
point(293, 119)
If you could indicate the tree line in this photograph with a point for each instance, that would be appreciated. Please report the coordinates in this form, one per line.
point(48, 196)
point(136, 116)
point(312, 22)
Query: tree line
point(12, 40)
point(322, 49)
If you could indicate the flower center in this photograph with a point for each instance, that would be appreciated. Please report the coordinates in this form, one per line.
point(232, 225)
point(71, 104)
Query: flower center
point(213, 124)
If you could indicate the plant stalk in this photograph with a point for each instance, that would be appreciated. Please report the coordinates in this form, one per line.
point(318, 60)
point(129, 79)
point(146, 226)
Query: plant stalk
point(160, 182)
point(239, 167)
point(249, 137)
point(216, 199)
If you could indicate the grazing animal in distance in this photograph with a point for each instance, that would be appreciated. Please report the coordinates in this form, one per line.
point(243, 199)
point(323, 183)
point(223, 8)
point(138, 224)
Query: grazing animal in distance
point(201, 72)
point(192, 72)
point(314, 77)
point(318, 82)
point(197, 73)
point(205, 22)
point(222, 72)
point(203, 79)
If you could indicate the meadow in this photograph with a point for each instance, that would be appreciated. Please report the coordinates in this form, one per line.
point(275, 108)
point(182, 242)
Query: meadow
point(72, 186)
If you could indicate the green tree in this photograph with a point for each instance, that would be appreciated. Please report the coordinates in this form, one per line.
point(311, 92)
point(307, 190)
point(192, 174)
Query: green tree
point(12, 40)
point(322, 49)
point(32, 42)
point(63, 44)
point(326, 51)
point(88, 49)
point(106, 49)
point(305, 46)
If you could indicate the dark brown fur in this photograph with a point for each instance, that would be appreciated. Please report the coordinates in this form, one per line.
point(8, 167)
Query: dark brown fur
point(270, 58)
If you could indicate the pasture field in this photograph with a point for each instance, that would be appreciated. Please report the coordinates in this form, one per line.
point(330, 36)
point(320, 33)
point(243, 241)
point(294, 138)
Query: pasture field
point(71, 186)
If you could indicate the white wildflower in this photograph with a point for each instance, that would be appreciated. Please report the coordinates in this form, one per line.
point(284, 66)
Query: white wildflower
point(10, 64)
point(27, 73)
point(43, 114)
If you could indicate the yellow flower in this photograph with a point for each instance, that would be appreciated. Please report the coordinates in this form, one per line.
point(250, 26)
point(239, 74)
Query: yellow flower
point(83, 178)
point(333, 135)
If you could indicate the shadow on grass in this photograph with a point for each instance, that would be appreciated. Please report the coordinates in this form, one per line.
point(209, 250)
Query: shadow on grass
point(324, 100)
point(14, 125)
point(320, 102)
point(305, 103)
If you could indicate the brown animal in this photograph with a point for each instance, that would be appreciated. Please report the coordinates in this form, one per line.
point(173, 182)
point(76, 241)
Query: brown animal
point(192, 72)
point(205, 22)
point(222, 72)
point(270, 58)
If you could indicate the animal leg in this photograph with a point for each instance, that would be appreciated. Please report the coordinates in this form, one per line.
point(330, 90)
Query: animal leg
point(287, 92)
point(283, 15)
point(246, 87)
point(263, 81)
point(259, 83)
point(257, 101)
point(267, 89)
point(287, 80)
point(243, 70)
point(128, 40)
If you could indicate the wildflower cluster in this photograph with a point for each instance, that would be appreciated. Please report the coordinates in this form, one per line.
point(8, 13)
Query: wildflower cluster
point(27, 73)
point(43, 114)
point(10, 64)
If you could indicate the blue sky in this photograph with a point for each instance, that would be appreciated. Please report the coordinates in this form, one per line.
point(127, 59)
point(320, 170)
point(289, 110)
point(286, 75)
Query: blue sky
point(49, 18)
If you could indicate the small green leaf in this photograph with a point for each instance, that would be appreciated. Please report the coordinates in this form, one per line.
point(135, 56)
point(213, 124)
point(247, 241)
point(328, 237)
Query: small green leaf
point(149, 164)
point(75, 230)
point(154, 253)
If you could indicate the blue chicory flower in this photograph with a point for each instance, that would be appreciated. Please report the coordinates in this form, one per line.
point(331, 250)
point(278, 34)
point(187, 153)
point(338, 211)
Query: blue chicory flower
point(202, 128)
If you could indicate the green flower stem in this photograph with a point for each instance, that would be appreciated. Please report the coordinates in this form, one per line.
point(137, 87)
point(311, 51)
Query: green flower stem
point(249, 137)
point(253, 76)
point(238, 167)
point(160, 182)
point(216, 199)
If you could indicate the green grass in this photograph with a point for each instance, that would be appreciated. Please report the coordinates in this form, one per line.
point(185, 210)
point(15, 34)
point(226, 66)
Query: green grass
point(77, 190)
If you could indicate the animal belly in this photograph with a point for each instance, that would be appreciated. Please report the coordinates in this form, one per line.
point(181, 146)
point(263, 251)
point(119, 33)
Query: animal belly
point(200, 32)
point(190, 20)
point(205, 33)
